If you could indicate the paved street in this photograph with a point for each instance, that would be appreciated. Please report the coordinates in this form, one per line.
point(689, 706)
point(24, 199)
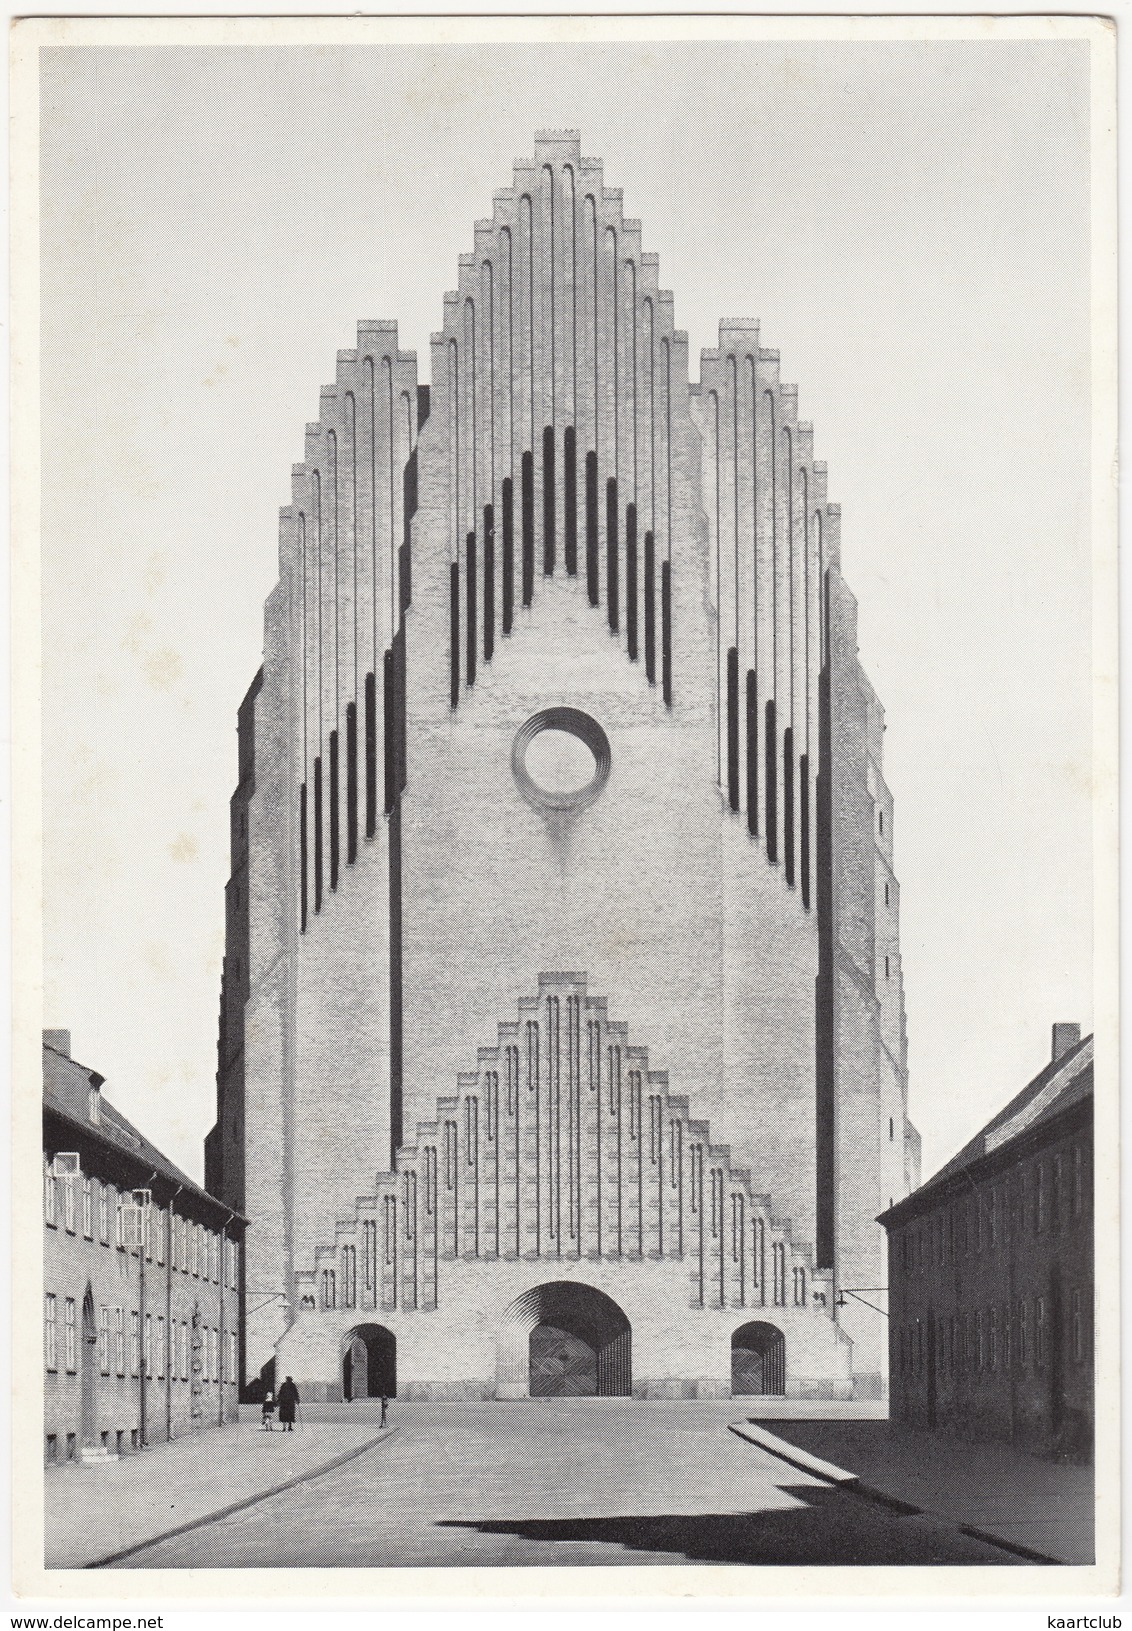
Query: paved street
point(564, 1482)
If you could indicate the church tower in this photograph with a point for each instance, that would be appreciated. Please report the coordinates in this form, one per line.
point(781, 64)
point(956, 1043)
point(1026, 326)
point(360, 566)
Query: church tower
point(562, 1037)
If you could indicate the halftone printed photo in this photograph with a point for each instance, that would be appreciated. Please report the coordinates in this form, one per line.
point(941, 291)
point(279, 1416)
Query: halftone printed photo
point(565, 712)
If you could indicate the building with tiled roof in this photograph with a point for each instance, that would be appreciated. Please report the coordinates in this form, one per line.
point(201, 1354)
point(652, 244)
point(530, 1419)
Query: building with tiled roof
point(991, 1272)
point(141, 1279)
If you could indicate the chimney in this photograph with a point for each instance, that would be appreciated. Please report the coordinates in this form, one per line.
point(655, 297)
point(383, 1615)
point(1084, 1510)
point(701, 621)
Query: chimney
point(59, 1040)
point(1065, 1036)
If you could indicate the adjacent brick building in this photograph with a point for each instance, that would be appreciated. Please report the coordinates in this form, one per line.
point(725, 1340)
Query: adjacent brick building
point(562, 1029)
point(991, 1273)
point(141, 1279)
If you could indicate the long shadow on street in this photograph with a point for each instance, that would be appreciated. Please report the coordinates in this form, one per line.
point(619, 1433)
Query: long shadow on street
point(833, 1527)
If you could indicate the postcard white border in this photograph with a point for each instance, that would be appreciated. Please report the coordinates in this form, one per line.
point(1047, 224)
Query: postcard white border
point(568, 1587)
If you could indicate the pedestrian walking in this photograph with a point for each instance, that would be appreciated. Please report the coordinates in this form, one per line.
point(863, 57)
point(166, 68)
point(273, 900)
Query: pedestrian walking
point(384, 1409)
point(288, 1401)
point(268, 1413)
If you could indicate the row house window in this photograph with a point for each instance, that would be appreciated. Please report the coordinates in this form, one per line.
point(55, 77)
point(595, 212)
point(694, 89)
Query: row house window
point(49, 1197)
point(69, 1204)
point(88, 1218)
point(104, 1213)
point(1078, 1181)
point(104, 1341)
point(911, 1349)
point(50, 1333)
point(70, 1336)
point(233, 1356)
point(135, 1321)
point(120, 1340)
point(1077, 1322)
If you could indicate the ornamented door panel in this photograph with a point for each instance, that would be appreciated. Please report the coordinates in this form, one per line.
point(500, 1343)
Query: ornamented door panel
point(562, 1365)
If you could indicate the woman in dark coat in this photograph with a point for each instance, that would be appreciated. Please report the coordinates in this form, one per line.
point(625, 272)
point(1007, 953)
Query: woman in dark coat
point(288, 1399)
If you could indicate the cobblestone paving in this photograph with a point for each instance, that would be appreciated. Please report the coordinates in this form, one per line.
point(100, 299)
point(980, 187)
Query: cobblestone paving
point(564, 1482)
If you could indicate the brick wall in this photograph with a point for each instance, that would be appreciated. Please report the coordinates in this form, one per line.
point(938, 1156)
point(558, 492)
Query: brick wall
point(174, 1404)
point(589, 529)
point(992, 1298)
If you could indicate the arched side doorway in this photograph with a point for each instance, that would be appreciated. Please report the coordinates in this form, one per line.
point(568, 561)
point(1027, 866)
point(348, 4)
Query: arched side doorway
point(564, 1340)
point(758, 1359)
point(89, 1372)
point(369, 1363)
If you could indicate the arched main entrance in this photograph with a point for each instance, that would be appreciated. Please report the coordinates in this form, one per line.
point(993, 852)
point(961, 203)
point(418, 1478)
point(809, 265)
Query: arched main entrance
point(369, 1363)
point(90, 1341)
point(758, 1359)
point(564, 1340)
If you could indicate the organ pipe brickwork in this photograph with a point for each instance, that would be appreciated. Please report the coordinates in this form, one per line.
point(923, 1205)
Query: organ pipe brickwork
point(562, 526)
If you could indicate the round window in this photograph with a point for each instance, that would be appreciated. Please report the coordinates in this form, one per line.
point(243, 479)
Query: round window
point(560, 759)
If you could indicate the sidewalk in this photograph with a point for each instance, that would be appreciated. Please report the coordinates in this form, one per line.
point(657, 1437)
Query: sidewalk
point(816, 1409)
point(985, 1488)
point(91, 1513)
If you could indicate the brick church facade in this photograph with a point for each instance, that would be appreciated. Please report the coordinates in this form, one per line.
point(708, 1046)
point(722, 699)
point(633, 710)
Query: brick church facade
point(562, 1036)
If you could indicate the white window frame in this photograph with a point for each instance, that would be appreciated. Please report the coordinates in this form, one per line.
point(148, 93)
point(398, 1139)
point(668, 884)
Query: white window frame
point(70, 1345)
point(50, 1332)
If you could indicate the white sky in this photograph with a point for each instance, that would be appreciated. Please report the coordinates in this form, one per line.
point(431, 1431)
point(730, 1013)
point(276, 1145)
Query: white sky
point(910, 222)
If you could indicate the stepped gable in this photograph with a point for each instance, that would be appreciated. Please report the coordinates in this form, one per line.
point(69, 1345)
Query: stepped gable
point(563, 1145)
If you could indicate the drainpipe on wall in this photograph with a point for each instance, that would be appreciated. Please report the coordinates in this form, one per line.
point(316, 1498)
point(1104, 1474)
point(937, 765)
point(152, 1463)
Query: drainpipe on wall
point(223, 1332)
point(143, 1435)
point(170, 1344)
point(141, 1342)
